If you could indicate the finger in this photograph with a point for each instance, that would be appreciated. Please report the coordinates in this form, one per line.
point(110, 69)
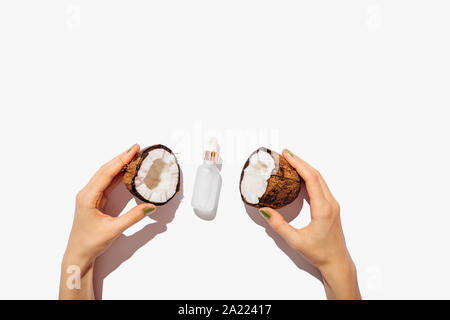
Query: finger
point(133, 216)
point(117, 179)
point(309, 174)
point(325, 189)
point(105, 175)
point(281, 226)
point(104, 198)
point(102, 203)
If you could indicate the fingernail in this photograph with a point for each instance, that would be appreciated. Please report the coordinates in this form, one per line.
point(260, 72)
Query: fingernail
point(265, 213)
point(131, 148)
point(289, 152)
point(149, 210)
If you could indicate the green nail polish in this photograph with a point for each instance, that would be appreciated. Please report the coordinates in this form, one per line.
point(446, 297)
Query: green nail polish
point(265, 214)
point(289, 152)
point(149, 210)
point(131, 148)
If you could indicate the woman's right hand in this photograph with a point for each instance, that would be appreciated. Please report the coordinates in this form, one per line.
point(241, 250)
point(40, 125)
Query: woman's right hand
point(322, 241)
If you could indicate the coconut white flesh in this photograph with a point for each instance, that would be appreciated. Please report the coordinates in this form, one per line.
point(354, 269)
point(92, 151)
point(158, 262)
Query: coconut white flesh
point(157, 178)
point(259, 170)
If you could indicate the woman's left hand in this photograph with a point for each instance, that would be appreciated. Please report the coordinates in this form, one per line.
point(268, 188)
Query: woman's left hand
point(93, 231)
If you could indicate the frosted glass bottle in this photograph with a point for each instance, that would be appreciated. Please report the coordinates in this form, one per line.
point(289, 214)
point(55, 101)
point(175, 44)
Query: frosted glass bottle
point(207, 185)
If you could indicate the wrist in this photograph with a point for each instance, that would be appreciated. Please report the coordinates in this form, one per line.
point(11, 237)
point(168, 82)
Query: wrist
point(344, 266)
point(83, 262)
point(340, 279)
point(77, 275)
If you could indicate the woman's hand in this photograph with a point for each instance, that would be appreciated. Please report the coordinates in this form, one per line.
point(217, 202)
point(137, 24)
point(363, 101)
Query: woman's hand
point(322, 241)
point(92, 230)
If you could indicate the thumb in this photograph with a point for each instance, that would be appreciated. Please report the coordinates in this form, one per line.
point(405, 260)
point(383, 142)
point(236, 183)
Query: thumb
point(281, 226)
point(133, 216)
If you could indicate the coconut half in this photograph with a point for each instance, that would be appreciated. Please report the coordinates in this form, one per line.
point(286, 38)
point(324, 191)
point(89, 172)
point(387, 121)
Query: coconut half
point(153, 175)
point(268, 180)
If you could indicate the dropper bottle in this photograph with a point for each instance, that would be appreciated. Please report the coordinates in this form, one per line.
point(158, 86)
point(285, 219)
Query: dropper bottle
point(208, 183)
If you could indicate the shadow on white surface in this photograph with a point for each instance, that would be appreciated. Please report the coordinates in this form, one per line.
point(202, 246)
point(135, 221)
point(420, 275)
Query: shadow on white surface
point(124, 246)
point(289, 212)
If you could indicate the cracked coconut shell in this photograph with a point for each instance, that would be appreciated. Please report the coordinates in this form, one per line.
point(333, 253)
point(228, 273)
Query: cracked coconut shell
point(153, 175)
point(268, 180)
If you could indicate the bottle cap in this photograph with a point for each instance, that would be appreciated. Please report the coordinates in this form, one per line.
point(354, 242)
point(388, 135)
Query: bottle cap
point(212, 150)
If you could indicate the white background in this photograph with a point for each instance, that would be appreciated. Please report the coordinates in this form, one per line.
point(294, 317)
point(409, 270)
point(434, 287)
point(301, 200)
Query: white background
point(360, 89)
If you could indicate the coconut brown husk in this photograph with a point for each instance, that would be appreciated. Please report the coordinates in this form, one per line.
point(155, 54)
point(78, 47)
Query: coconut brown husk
point(283, 186)
point(131, 169)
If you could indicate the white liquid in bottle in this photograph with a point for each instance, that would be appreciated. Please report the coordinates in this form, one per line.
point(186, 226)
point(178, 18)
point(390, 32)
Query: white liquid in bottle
point(208, 182)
